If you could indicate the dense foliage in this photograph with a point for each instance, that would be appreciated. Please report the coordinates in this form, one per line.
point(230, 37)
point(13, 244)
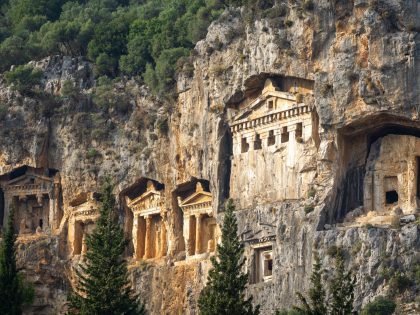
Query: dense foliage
point(317, 293)
point(338, 300)
point(23, 78)
point(103, 286)
point(124, 37)
point(226, 283)
point(15, 292)
point(379, 306)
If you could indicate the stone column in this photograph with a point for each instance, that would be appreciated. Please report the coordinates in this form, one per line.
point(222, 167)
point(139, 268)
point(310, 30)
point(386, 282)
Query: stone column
point(7, 202)
point(162, 251)
point(411, 186)
point(191, 235)
point(134, 236)
point(148, 237)
point(198, 231)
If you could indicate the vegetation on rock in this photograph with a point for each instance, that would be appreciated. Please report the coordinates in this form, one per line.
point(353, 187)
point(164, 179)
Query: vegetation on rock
point(15, 292)
point(226, 283)
point(23, 79)
point(339, 299)
point(379, 306)
point(119, 36)
point(102, 285)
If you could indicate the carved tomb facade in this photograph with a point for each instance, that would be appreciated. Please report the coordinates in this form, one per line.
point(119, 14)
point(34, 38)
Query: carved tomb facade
point(273, 146)
point(149, 234)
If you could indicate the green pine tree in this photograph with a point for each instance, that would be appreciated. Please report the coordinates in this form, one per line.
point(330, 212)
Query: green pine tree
point(15, 292)
point(226, 283)
point(103, 286)
point(342, 288)
point(317, 293)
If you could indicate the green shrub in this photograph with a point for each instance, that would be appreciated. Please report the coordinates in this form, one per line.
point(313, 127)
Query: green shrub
point(379, 306)
point(416, 272)
point(70, 90)
point(162, 126)
point(334, 251)
point(92, 153)
point(3, 111)
point(23, 79)
point(355, 249)
point(386, 272)
point(309, 209)
point(399, 283)
point(311, 193)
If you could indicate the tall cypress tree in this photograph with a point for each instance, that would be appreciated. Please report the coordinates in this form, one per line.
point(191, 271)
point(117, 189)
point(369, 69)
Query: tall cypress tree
point(342, 288)
point(103, 286)
point(317, 293)
point(15, 292)
point(226, 283)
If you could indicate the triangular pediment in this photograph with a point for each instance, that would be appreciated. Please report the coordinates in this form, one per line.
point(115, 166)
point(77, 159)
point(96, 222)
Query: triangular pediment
point(267, 103)
point(149, 195)
point(29, 179)
point(196, 198)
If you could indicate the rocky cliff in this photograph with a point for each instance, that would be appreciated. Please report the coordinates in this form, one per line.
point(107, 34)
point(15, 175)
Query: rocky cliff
point(353, 64)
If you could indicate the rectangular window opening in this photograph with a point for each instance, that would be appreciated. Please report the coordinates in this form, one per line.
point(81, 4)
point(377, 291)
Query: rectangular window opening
point(270, 105)
point(271, 138)
point(257, 142)
point(244, 145)
point(298, 133)
point(284, 135)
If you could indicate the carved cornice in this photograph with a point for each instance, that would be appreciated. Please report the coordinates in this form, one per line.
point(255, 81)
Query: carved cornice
point(245, 124)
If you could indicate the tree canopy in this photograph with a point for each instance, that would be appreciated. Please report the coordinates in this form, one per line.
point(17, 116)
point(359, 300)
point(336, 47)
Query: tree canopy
point(121, 37)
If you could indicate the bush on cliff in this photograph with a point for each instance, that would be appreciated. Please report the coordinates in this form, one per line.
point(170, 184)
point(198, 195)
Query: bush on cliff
point(15, 292)
point(23, 79)
point(339, 299)
point(102, 285)
point(226, 283)
point(379, 306)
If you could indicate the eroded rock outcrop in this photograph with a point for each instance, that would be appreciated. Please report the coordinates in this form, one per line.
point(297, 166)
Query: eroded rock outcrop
point(291, 116)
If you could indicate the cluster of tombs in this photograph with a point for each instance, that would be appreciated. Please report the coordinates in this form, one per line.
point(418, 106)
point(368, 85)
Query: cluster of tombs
point(274, 142)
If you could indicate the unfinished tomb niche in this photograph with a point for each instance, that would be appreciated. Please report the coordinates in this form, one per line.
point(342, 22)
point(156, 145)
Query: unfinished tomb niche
point(149, 228)
point(280, 124)
point(200, 229)
point(84, 211)
point(391, 177)
point(35, 195)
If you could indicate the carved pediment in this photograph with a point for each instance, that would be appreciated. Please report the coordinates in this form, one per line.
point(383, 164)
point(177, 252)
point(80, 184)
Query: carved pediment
point(30, 179)
point(271, 100)
point(151, 199)
point(198, 197)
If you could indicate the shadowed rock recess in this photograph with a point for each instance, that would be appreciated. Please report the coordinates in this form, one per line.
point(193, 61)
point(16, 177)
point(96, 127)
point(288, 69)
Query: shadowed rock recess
point(311, 126)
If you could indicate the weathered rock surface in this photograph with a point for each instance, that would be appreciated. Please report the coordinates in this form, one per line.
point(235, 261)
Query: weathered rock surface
point(364, 60)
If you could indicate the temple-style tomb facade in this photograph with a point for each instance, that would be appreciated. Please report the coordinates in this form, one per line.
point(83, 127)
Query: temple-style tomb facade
point(84, 211)
point(199, 223)
point(149, 228)
point(35, 195)
point(273, 140)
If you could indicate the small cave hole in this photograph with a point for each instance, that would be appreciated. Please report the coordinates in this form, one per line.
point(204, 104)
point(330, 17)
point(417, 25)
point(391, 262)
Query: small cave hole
point(391, 197)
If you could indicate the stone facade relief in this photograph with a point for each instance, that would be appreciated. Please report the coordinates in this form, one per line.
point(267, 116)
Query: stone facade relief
point(149, 228)
point(84, 211)
point(35, 195)
point(273, 146)
point(392, 176)
point(200, 229)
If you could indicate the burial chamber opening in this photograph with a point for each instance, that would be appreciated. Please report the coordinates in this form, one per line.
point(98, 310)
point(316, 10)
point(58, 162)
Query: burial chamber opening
point(354, 145)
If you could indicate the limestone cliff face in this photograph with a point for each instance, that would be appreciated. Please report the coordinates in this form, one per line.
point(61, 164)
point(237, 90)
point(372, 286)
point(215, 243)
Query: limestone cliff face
point(354, 63)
